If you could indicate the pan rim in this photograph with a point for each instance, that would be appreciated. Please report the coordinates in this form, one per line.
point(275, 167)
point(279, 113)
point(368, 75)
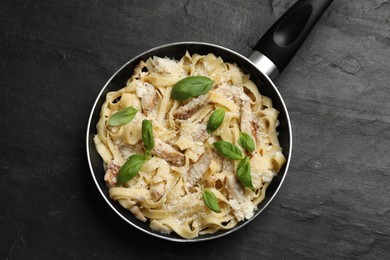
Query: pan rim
point(197, 239)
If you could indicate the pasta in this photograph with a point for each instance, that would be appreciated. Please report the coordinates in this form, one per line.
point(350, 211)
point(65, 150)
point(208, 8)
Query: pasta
point(167, 191)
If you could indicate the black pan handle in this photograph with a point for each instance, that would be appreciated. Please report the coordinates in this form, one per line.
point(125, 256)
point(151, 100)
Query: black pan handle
point(280, 43)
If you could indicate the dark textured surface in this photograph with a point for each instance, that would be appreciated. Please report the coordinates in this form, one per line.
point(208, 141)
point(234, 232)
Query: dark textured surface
point(55, 56)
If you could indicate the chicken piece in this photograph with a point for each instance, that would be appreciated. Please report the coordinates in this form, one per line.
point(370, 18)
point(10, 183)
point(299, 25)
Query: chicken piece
point(227, 165)
point(190, 108)
point(236, 190)
point(167, 152)
point(148, 96)
point(137, 213)
point(198, 169)
point(157, 191)
point(232, 93)
point(247, 119)
point(166, 66)
point(111, 173)
point(200, 132)
point(242, 207)
point(191, 134)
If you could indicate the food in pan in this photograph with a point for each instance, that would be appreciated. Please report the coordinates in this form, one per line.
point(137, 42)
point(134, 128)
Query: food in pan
point(189, 145)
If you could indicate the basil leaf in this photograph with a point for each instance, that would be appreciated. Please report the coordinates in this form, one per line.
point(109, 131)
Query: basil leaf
point(216, 119)
point(131, 168)
point(246, 142)
point(211, 201)
point(147, 134)
point(122, 116)
point(244, 173)
point(228, 150)
point(192, 86)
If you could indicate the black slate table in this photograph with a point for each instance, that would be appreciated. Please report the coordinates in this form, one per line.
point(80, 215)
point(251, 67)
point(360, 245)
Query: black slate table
point(55, 56)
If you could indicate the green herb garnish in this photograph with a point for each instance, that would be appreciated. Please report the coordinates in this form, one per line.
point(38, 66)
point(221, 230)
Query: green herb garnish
point(216, 119)
point(122, 116)
point(228, 150)
point(246, 142)
point(244, 173)
point(147, 134)
point(192, 86)
point(211, 201)
point(131, 168)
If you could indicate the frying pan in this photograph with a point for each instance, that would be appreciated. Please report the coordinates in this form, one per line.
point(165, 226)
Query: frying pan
point(270, 56)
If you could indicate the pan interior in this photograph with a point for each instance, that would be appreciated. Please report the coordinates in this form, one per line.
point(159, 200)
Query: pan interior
point(176, 51)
